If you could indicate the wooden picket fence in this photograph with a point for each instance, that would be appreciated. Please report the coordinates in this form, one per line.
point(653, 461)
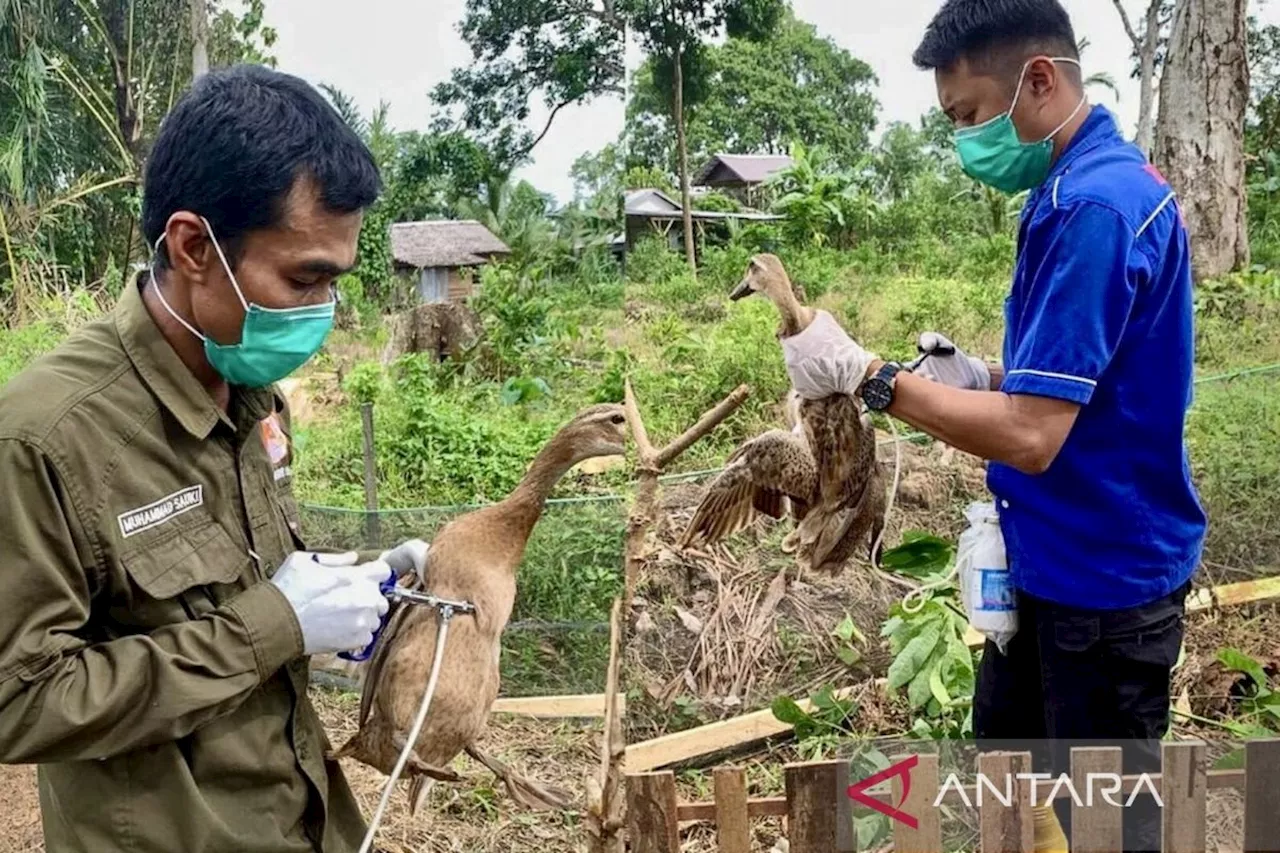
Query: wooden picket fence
point(818, 813)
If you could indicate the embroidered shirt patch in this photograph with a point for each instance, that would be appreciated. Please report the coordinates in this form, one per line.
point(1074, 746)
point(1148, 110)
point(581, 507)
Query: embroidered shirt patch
point(154, 514)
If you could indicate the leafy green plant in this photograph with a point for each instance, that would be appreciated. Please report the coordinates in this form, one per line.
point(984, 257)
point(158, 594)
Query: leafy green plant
point(852, 641)
point(1260, 703)
point(364, 383)
point(520, 390)
point(931, 661)
point(818, 730)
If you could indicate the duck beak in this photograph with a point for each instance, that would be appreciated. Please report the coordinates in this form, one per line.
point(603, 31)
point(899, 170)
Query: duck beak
point(743, 289)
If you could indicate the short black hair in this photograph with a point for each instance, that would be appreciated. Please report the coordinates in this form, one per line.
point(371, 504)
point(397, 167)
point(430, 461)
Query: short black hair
point(233, 145)
point(995, 35)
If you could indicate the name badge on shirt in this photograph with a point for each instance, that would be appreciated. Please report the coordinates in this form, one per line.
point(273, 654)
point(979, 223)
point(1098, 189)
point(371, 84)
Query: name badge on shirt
point(165, 509)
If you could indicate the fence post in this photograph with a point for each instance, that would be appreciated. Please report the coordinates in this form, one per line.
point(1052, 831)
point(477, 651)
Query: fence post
point(372, 531)
point(1184, 785)
point(1096, 826)
point(733, 825)
point(1262, 796)
point(1005, 827)
point(926, 837)
point(652, 822)
point(813, 812)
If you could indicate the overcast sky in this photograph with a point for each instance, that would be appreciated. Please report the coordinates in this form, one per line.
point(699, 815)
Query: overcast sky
point(397, 50)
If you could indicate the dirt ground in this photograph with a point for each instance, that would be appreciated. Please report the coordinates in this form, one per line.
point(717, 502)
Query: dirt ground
point(476, 816)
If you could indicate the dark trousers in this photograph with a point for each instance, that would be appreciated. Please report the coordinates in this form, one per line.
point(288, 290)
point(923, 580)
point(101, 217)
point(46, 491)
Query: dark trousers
point(1076, 677)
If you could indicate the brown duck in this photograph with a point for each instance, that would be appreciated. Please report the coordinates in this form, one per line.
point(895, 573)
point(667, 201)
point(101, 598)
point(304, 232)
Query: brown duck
point(473, 558)
point(824, 472)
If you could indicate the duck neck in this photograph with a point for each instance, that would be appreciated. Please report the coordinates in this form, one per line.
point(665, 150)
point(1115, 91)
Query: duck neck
point(795, 317)
point(530, 497)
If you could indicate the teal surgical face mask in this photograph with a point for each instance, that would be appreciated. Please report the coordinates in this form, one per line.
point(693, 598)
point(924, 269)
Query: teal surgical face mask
point(992, 153)
point(274, 342)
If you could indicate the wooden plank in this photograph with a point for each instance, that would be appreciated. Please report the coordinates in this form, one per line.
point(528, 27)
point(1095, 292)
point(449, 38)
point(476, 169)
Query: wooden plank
point(1183, 789)
point(926, 837)
point(1096, 828)
point(733, 826)
point(811, 813)
point(713, 737)
point(1005, 821)
point(1262, 796)
point(652, 826)
point(761, 807)
point(1234, 593)
point(578, 705)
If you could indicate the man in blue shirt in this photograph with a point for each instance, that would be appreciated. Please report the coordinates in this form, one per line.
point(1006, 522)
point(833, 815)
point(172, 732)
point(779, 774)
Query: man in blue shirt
point(1083, 423)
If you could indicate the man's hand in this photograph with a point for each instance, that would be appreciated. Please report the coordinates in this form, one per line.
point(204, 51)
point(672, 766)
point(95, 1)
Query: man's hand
point(823, 360)
point(950, 365)
point(410, 556)
point(338, 603)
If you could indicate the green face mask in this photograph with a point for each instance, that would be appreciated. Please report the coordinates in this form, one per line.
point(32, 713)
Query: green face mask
point(993, 154)
point(274, 342)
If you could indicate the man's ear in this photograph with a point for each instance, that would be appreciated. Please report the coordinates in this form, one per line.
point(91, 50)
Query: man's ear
point(1042, 77)
point(187, 243)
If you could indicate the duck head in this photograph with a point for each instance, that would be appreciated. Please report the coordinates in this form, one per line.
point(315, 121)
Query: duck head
point(596, 431)
point(766, 275)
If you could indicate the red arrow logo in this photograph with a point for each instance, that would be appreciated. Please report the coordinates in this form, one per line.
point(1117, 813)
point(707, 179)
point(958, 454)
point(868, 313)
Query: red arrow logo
point(858, 790)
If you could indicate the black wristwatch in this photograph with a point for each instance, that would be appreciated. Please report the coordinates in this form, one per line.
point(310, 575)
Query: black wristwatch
point(877, 392)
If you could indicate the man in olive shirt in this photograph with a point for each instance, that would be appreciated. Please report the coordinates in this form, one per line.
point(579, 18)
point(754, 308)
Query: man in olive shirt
point(161, 602)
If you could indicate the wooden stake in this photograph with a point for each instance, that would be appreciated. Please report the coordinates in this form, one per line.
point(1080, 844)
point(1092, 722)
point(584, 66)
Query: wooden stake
point(651, 464)
point(372, 531)
point(606, 837)
point(605, 819)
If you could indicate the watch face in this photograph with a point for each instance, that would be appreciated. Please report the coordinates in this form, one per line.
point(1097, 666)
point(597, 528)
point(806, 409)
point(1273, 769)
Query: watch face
point(877, 393)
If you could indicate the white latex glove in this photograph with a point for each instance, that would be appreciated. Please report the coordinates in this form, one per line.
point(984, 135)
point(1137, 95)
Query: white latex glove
point(410, 556)
point(957, 369)
point(338, 603)
point(822, 360)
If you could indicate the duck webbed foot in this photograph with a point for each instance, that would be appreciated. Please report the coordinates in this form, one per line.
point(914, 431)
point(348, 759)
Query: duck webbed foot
point(525, 792)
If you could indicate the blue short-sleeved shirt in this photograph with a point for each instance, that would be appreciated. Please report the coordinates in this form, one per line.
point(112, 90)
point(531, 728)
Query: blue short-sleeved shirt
point(1100, 314)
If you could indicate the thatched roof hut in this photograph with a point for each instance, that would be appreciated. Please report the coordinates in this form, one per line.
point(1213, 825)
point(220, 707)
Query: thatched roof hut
point(439, 256)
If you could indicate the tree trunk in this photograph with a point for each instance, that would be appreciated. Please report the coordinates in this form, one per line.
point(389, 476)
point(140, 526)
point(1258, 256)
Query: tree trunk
point(686, 202)
point(1146, 78)
point(1204, 92)
point(199, 39)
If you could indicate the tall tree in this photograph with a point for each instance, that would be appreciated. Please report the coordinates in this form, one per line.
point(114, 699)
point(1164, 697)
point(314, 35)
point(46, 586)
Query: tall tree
point(562, 52)
point(199, 38)
point(759, 97)
point(1146, 46)
point(673, 33)
point(87, 83)
point(1204, 95)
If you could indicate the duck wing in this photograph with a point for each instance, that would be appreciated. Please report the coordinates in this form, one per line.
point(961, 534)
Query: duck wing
point(850, 487)
point(837, 438)
point(373, 675)
point(763, 475)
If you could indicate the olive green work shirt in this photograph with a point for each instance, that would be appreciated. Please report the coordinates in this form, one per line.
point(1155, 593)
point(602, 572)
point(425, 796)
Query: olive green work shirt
point(145, 663)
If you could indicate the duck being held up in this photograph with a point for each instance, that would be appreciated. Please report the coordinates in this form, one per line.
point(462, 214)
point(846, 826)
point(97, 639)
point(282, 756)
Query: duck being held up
point(826, 473)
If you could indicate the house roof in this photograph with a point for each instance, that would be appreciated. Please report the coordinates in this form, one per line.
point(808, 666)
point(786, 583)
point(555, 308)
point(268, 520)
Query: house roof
point(655, 204)
point(444, 243)
point(649, 202)
point(741, 168)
